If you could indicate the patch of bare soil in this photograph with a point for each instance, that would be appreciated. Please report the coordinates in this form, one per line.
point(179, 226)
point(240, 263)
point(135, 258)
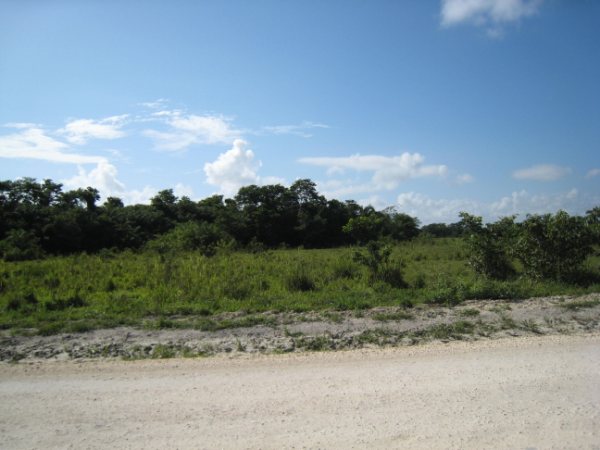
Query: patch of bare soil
point(295, 332)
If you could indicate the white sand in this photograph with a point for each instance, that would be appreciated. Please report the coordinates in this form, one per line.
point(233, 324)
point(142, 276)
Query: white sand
point(511, 393)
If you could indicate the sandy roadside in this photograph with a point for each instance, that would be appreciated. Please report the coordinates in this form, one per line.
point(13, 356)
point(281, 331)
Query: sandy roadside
point(529, 392)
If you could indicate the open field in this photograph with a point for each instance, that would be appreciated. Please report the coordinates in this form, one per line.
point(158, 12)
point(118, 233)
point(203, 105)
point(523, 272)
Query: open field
point(533, 392)
point(145, 290)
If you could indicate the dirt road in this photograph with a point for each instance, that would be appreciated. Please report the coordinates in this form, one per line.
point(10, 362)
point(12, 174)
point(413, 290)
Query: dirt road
point(538, 392)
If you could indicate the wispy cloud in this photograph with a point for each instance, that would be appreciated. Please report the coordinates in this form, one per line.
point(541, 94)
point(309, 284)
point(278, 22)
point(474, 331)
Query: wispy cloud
point(465, 178)
point(159, 103)
point(493, 15)
point(388, 171)
point(593, 173)
point(79, 131)
point(34, 143)
point(184, 130)
point(542, 172)
point(301, 130)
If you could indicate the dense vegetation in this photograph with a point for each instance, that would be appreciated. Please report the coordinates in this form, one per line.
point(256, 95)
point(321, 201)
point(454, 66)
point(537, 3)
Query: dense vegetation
point(70, 264)
point(39, 218)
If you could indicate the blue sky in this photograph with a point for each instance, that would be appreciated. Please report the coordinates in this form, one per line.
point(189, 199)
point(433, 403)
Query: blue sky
point(488, 106)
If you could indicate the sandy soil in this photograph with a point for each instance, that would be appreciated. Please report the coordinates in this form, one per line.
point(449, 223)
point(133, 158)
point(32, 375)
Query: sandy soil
point(297, 332)
point(530, 392)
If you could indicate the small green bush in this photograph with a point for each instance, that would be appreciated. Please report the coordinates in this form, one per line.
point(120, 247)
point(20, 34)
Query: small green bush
point(554, 246)
point(60, 304)
point(25, 303)
point(381, 269)
point(299, 280)
point(488, 246)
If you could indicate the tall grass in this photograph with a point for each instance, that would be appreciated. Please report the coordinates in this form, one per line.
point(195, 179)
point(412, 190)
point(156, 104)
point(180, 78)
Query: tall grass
point(82, 292)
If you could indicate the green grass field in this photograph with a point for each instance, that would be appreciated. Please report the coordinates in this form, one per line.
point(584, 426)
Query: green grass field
point(84, 292)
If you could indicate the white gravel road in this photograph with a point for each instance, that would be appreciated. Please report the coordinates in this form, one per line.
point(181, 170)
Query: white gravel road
point(538, 392)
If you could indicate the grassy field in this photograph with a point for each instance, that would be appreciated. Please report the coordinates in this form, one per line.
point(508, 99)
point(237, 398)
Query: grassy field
point(84, 292)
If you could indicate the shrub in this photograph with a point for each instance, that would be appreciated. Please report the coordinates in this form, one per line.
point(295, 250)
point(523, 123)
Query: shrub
point(190, 236)
point(554, 246)
point(488, 245)
point(60, 304)
point(380, 267)
point(20, 245)
point(25, 303)
point(299, 280)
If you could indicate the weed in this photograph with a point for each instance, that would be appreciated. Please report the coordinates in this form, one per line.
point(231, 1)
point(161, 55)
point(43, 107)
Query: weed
point(531, 326)
point(469, 312)
point(162, 351)
point(299, 280)
point(60, 304)
point(26, 303)
point(581, 304)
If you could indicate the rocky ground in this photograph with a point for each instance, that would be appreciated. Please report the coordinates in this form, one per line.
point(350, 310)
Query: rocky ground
point(294, 332)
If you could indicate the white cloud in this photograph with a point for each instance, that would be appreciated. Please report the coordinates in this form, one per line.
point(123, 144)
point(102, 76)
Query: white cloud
point(298, 130)
point(429, 210)
point(593, 173)
point(138, 196)
point(521, 203)
point(233, 169)
point(79, 131)
point(34, 143)
point(388, 171)
point(272, 180)
point(182, 190)
point(103, 177)
point(465, 178)
point(491, 14)
point(21, 125)
point(344, 189)
point(155, 104)
point(542, 172)
point(186, 130)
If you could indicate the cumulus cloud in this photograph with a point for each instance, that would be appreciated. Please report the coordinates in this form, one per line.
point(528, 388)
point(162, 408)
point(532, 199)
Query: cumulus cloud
point(388, 171)
point(491, 14)
point(233, 169)
point(542, 172)
point(102, 177)
point(430, 210)
point(185, 130)
point(79, 131)
point(32, 142)
point(138, 196)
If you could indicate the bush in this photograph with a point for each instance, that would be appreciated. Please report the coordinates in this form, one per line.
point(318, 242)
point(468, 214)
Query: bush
point(190, 236)
point(488, 246)
point(25, 303)
point(60, 304)
point(299, 280)
point(380, 267)
point(20, 245)
point(554, 246)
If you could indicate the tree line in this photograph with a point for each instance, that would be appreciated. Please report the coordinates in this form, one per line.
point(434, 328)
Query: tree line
point(40, 218)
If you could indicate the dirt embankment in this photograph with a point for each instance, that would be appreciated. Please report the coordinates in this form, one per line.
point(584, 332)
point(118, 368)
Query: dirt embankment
point(293, 332)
